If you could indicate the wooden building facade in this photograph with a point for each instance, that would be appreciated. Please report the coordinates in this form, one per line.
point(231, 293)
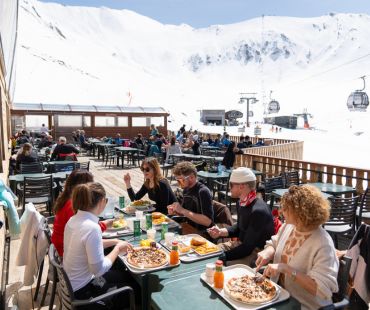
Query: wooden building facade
point(97, 121)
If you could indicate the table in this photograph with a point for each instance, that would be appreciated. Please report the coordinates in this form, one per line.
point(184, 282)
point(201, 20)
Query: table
point(125, 150)
point(19, 178)
point(198, 157)
point(334, 189)
point(187, 291)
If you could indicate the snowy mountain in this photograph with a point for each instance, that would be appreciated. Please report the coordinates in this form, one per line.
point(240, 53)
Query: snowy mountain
point(80, 55)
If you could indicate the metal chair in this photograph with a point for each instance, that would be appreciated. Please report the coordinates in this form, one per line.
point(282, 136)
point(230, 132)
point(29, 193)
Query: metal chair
point(63, 167)
point(31, 168)
point(291, 178)
point(269, 185)
point(342, 217)
point(84, 165)
point(110, 156)
point(341, 299)
point(65, 289)
point(165, 166)
point(38, 191)
point(363, 212)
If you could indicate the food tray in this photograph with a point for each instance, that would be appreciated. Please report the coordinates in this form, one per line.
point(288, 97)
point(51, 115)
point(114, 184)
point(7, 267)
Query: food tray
point(238, 271)
point(191, 256)
point(116, 233)
point(171, 224)
point(148, 270)
point(148, 209)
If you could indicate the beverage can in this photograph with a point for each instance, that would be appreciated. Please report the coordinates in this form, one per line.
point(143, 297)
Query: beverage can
point(121, 202)
point(137, 229)
point(148, 218)
point(164, 229)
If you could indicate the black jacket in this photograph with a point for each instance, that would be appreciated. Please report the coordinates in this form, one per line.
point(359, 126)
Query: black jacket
point(63, 149)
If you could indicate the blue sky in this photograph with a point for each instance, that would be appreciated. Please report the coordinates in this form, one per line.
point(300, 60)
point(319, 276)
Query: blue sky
point(202, 13)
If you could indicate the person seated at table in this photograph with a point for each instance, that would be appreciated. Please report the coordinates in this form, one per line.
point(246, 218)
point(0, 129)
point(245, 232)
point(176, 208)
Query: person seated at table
point(47, 141)
point(172, 148)
point(303, 253)
point(139, 141)
point(229, 157)
point(64, 151)
point(63, 208)
point(26, 155)
point(226, 140)
point(23, 138)
point(155, 146)
point(84, 143)
point(196, 206)
point(117, 140)
point(254, 226)
point(217, 142)
point(260, 142)
point(209, 140)
point(241, 143)
point(155, 185)
point(89, 271)
point(195, 145)
point(247, 141)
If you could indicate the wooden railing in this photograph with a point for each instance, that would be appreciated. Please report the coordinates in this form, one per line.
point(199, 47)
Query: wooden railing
point(308, 171)
point(292, 150)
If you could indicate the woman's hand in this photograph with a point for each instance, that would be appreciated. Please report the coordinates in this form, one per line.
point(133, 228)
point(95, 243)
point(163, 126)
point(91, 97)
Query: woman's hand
point(264, 257)
point(124, 246)
point(272, 270)
point(127, 180)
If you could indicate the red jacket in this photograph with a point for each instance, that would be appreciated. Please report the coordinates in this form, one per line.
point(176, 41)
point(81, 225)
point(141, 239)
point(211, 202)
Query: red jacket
point(61, 219)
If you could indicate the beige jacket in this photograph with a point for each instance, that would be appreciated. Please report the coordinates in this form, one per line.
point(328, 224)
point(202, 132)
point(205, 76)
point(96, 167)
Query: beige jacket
point(316, 258)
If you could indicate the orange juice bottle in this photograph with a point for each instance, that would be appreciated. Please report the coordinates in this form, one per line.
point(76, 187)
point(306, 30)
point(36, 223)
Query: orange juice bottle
point(174, 255)
point(218, 277)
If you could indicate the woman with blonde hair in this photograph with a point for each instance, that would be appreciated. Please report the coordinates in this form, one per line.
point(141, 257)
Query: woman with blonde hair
point(155, 185)
point(303, 253)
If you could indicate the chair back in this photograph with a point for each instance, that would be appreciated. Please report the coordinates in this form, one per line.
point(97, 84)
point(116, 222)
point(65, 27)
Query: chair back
point(343, 211)
point(273, 183)
point(63, 167)
point(84, 165)
point(364, 204)
point(31, 168)
point(38, 187)
point(343, 277)
point(159, 157)
point(65, 287)
point(291, 178)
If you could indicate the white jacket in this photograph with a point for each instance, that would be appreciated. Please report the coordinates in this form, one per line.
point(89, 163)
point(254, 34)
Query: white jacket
point(33, 245)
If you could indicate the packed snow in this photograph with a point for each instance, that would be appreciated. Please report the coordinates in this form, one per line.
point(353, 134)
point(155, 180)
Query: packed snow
point(81, 55)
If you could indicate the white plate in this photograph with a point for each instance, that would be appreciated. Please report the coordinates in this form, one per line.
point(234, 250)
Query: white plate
point(239, 271)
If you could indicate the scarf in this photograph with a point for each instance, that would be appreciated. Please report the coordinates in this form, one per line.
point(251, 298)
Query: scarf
point(247, 200)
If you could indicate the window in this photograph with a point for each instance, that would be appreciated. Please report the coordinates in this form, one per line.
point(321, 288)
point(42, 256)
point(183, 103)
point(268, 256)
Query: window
point(69, 121)
point(105, 121)
point(34, 122)
point(140, 121)
point(87, 121)
point(157, 121)
point(122, 121)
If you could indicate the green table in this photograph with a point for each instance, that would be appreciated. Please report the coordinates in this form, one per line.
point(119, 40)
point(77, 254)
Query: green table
point(187, 291)
point(278, 193)
point(334, 189)
point(19, 178)
point(124, 151)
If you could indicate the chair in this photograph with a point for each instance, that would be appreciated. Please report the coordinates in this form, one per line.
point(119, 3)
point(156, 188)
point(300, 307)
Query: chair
point(342, 217)
point(110, 156)
point(65, 289)
point(31, 168)
point(290, 178)
point(222, 188)
point(84, 165)
point(363, 212)
point(38, 191)
point(63, 167)
point(269, 185)
point(340, 299)
point(165, 166)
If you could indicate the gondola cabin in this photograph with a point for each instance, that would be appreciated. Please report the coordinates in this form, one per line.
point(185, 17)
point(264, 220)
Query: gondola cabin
point(273, 107)
point(358, 101)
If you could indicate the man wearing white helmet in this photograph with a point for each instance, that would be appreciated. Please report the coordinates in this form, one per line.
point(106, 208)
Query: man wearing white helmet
point(254, 225)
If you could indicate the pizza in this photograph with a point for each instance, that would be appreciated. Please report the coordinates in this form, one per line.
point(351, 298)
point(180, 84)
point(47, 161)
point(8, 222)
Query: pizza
point(247, 290)
point(147, 257)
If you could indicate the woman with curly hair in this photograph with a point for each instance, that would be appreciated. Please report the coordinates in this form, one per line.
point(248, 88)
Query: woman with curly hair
point(155, 185)
point(303, 253)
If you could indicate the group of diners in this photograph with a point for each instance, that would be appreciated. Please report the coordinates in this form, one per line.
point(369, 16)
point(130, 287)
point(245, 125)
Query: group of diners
point(300, 256)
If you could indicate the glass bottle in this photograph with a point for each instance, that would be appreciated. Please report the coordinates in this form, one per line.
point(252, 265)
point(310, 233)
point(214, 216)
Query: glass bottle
point(174, 255)
point(218, 277)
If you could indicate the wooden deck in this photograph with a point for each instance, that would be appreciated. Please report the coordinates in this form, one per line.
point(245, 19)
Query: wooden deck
point(18, 297)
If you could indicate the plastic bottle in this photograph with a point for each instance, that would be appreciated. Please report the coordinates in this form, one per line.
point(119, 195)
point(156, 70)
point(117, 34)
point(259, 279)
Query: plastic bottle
point(219, 169)
point(174, 255)
point(218, 277)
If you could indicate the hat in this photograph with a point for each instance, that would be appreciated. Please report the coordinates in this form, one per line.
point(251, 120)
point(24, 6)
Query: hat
point(242, 175)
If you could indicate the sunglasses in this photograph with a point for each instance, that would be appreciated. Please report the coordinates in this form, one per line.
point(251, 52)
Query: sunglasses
point(182, 179)
point(147, 169)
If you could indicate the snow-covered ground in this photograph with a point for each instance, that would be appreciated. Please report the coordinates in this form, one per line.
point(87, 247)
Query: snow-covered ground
point(80, 55)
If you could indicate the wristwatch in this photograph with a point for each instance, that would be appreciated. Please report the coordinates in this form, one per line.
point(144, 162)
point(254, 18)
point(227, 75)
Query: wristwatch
point(293, 275)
